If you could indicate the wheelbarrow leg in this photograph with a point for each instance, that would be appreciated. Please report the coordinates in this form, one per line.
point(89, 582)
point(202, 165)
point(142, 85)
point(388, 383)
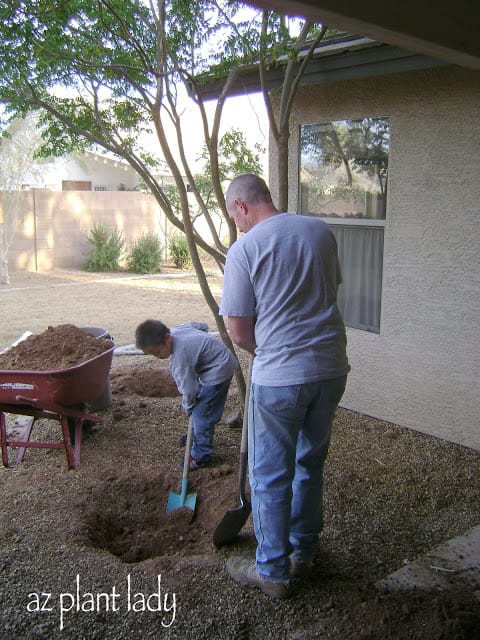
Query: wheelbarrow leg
point(77, 447)
point(3, 438)
point(72, 452)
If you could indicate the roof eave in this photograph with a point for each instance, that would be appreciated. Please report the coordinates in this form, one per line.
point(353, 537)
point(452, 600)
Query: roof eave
point(358, 58)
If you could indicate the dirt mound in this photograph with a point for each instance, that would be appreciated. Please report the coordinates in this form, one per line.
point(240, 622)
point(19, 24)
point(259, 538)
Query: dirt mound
point(56, 348)
point(148, 379)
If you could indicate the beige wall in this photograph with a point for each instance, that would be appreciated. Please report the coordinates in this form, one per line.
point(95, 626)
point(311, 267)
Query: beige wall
point(423, 369)
point(52, 227)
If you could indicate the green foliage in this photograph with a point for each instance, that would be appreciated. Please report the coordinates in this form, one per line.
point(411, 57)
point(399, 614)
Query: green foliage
point(146, 254)
point(102, 74)
point(81, 46)
point(96, 69)
point(234, 156)
point(178, 248)
point(107, 248)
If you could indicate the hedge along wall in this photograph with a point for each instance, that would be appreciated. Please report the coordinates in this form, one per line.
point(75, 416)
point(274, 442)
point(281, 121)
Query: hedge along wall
point(52, 227)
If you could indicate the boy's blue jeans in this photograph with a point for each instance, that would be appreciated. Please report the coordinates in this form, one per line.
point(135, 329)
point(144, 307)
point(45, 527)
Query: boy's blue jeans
point(289, 432)
point(206, 413)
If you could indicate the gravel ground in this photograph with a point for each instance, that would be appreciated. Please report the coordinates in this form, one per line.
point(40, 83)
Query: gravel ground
point(89, 554)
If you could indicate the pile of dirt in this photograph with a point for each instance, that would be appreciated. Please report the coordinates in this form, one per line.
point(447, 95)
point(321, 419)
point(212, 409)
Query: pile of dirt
point(56, 348)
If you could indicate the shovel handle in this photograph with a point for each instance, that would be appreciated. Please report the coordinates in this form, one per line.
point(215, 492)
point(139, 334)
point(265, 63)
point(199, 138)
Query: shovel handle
point(188, 448)
point(183, 490)
point(244, 441)
point(242, 472)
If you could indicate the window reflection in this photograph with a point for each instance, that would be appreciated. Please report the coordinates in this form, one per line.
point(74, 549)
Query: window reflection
point(344, 168)
point(343, 176)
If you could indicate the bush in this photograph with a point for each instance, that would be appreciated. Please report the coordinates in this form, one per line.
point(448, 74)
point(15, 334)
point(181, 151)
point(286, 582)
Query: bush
point(146, 254)
point(178, 248)
point(107, 248)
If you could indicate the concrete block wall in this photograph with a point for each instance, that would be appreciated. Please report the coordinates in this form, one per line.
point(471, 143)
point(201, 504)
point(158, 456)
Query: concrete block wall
point(53, 227)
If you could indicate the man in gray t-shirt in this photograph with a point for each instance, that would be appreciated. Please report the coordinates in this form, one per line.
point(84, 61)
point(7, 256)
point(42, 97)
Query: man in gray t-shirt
point(202, 367)
point(280, 297)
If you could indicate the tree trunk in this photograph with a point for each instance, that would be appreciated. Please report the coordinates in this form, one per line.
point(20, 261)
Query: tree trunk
point(282, 168)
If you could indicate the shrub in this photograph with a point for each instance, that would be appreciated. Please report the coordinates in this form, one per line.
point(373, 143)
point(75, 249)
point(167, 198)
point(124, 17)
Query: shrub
point(146, 254)
point(178, 248)
point(107, 247)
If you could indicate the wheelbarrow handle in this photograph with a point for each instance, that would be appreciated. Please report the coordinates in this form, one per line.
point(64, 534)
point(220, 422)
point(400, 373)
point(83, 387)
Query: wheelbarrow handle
point(32, 401)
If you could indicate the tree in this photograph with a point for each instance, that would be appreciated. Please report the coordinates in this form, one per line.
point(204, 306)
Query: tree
point(368, 144)
point(294, 53)
point(104, 72)
point(234, 157)
point(271, 42)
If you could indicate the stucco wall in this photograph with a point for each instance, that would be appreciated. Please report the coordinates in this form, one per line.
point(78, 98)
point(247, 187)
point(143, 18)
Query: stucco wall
point(52, 227)
point(422, 371)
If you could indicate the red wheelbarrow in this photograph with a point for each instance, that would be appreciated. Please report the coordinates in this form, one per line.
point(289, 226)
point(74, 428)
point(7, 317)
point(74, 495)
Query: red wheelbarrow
point(55, 395)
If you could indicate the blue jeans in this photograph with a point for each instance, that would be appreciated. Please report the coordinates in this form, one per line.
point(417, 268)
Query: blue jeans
point(206, 413)
point(289, 432)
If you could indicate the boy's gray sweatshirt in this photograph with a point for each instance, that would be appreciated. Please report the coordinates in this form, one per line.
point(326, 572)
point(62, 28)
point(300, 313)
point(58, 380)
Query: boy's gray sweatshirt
point(198, 358)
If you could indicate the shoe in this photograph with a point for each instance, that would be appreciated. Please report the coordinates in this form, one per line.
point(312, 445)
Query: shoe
point(197, 464)
point(300, 568)
point(244, 571)
point(182, 441)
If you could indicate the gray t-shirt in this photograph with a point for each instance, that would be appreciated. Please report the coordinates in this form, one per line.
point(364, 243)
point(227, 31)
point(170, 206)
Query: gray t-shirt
point(284, 272)
point(198, 358)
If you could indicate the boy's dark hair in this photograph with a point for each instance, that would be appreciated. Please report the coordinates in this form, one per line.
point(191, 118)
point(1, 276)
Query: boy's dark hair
point(150, 332)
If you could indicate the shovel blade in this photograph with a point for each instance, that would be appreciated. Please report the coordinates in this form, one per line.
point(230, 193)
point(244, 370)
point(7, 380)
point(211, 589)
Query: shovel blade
point(231, 524)
point(182, 499)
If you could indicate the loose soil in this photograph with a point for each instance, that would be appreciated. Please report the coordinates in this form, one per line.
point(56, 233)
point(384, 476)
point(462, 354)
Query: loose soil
point(55, 348)
point(391, 495)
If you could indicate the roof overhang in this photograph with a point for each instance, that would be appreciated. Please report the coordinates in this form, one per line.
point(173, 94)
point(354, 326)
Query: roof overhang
point(343, 58)
point(444, 29)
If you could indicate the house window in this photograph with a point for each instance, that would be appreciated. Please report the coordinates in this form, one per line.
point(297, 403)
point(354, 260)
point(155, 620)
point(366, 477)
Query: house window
point(343, 179)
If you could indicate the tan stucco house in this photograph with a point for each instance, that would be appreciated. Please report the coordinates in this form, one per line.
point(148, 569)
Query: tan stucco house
point(406, 218)
point(420, 366)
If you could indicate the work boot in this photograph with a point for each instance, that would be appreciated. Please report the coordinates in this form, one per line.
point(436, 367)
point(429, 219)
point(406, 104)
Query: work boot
point(300, 568)
point(197, 464)
point(244, 571)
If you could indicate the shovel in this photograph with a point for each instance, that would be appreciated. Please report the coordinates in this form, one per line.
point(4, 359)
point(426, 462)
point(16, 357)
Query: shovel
point(234, 519)
point(182, 499)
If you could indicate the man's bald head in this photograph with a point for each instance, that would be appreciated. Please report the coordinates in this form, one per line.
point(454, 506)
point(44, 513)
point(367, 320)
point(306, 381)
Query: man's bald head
point(249, 188)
